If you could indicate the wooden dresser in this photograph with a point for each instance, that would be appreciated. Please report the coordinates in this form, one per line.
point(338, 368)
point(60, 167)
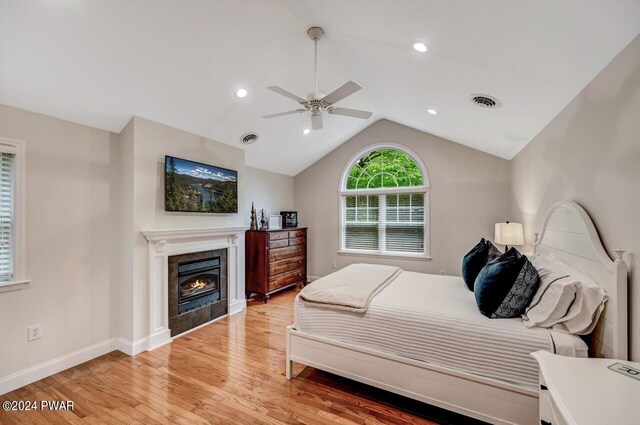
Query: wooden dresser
point(275, 260)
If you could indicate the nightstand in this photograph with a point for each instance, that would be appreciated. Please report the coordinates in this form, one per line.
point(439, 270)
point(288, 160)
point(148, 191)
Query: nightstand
point(579, 391)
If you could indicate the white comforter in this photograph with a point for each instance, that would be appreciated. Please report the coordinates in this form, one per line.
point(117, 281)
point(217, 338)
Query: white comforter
point(435, 319)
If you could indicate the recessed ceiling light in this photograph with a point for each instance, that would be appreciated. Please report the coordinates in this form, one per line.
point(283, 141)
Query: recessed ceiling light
point(241, 93)
point(306, 131)
point(432, 111)
point(420, 47)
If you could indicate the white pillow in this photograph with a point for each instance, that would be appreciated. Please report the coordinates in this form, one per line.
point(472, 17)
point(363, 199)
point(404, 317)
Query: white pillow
point(584, 313)
point(555, 295)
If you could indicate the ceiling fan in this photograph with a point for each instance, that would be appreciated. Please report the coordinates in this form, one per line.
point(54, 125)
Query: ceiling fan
point(317, 102)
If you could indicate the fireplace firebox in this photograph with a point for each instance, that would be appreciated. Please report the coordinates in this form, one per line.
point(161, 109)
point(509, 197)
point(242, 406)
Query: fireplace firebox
point(199, 283)
point(197, 289)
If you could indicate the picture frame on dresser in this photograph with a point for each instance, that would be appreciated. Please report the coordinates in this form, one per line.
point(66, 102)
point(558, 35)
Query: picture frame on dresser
point(275, 222)
point(275, 259)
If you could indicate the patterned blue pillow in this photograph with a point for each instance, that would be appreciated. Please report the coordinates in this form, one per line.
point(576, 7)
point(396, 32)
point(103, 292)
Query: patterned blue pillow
point(506, 285)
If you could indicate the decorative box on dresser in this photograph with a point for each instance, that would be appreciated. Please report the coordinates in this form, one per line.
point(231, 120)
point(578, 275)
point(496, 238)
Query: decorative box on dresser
point(581, 391)
point(275, 260)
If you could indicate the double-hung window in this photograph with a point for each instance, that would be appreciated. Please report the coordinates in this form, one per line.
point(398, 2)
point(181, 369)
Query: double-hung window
point(11, 225)
point(6, 214)
point(384, 203)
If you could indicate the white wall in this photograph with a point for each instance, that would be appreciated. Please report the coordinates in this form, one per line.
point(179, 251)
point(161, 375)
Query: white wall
point(69, 229)
point(590, 153)
point(268, 190)
point(469, 193)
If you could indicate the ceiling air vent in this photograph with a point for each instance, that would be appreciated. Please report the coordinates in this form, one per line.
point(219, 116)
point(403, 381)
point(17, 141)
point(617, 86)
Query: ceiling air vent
point(485, 101)
point(249, 138)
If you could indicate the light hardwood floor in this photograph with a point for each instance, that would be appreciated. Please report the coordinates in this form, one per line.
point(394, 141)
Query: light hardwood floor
point(229, 372)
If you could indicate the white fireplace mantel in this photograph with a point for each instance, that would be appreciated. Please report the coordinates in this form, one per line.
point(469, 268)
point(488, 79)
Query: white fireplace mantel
point(164, 243)
point(198, 232)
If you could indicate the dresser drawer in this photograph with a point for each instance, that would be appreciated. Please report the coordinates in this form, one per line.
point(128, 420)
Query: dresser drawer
point(278, 267)
point(274, 236)
point(278, 243)
point(286, 279)
point(284, 253)
point(297, 233)
point(298, 241)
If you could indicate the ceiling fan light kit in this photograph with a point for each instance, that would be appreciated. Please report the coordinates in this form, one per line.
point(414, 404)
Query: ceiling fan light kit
point(317, 102)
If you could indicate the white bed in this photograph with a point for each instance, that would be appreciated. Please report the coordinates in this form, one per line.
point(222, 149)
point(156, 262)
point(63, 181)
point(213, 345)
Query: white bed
point(412, 343)
point(439, 323)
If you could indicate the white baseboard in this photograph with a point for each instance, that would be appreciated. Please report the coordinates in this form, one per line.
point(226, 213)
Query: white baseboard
point(132, 348)
point(48, 368)
point(237, 306)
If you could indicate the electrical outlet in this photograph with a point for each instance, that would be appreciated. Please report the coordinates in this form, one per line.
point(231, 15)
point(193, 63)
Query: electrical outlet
point(35, 332)
point(334, 265)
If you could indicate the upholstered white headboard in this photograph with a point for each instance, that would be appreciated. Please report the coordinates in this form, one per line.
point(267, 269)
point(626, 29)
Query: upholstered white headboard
point(570, 235)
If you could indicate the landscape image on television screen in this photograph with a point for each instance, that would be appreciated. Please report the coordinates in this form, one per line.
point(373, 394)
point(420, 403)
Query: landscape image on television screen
point(194, 187)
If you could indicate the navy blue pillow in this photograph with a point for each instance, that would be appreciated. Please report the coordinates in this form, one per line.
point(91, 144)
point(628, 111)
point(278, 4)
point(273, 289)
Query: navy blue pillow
point(476, 259)
point(506, 285)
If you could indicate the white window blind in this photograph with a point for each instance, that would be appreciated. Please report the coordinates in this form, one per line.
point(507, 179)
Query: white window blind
point(7, 182)
point(384, 203)
point(387, 223)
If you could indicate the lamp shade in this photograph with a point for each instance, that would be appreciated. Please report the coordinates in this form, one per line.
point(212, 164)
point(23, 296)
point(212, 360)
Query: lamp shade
point(509, 234)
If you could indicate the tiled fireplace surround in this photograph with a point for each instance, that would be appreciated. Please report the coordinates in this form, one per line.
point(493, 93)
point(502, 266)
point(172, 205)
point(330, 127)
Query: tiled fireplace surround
point(182, 321)
point(171, 242)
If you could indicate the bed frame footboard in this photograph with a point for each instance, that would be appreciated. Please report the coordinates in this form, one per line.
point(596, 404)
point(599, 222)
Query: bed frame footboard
point(481, 398)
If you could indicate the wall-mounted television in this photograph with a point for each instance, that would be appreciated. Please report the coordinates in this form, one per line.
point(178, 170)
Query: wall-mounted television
point(195, 187)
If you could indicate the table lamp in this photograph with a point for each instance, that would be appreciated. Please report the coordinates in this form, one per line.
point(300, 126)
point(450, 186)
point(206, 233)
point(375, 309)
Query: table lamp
point(509, 234)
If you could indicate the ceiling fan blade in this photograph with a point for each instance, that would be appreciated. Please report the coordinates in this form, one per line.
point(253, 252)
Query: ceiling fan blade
point(355, 113)
point(316, 122)
point(287, 93)
point(280, 114)
point(347, 89)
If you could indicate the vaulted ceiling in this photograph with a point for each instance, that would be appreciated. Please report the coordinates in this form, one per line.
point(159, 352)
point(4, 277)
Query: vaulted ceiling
point(181, 62)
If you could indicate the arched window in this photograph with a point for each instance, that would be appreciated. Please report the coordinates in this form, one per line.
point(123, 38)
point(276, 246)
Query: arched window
point(384, 203)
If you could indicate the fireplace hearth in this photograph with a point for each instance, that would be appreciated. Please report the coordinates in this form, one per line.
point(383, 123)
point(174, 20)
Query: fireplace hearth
point(197, 289)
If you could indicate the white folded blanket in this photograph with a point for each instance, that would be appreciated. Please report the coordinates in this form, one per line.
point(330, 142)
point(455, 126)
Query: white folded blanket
point(351, 288)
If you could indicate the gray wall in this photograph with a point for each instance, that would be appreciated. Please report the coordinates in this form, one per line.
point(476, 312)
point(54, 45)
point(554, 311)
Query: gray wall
point(469, 193)
point(68, 237)
point(268, 190)
point(590, 153)
point(152, 141)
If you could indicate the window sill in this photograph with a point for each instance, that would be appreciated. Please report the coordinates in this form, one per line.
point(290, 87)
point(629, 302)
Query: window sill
point(14, 285)
point(419, 257)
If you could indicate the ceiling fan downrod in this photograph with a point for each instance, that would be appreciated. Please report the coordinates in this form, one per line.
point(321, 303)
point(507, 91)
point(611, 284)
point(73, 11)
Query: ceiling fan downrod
point(315, 33)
